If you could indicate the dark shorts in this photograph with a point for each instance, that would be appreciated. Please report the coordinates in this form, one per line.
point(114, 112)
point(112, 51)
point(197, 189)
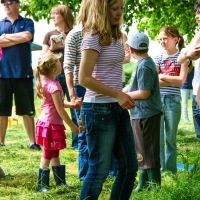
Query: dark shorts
point(147, 139)
point(22, 91)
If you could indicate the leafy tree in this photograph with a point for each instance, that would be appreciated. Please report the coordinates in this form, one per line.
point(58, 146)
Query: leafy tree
point(150, 15)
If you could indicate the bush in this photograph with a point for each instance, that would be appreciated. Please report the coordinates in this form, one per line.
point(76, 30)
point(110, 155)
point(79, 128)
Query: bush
point(128, 69)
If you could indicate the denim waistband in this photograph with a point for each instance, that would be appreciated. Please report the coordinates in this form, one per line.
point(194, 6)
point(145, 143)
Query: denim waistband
point(98, 105)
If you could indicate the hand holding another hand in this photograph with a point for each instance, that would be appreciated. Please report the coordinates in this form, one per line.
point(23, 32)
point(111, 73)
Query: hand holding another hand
point(74, 129)
point(125, 100)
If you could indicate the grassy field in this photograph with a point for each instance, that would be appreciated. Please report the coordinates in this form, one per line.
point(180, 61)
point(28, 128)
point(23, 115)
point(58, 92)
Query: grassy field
point(21, 167)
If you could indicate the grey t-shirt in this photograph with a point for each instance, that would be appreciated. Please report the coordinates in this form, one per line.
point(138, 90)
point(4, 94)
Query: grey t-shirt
point(145, 77)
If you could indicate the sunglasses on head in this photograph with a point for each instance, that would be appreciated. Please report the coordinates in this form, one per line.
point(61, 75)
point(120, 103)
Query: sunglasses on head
point(8, 3)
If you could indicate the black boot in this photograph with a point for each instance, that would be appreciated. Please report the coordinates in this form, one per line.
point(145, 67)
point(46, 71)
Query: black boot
point(154, 176)
point(59, 174)
point(43, 180)
point(143, 180)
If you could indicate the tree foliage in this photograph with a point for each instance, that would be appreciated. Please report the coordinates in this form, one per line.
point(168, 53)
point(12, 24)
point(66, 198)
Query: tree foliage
point(149, 15)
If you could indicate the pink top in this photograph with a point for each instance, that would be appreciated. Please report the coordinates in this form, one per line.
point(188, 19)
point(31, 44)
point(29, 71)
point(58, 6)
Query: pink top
point(0, 53)
point(49, 112)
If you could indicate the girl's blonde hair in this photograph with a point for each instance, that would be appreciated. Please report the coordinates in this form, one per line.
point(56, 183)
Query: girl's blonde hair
point(83, 12)
point(98, 21)
point(45, 67)
point(66, 13)
point(173, 32)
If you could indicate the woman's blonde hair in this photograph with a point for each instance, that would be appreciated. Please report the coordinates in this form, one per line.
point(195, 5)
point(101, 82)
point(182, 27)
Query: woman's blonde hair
point(45, 67)
point(66, 13)
point(98, 21)
point(83, 12)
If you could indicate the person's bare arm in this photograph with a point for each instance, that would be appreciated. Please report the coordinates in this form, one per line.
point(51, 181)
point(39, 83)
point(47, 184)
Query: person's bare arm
point(7, 40)
point(45, 49)
point(125, 89)
point(139, 94)
point(87, 64)
point(192, 52)
point(70, 86)
point(127, 57)
point(62, 112)
point(176, 80)
point(164, 83)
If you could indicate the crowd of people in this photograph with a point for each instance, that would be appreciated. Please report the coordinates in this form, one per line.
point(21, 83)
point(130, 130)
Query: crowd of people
point(83, 63)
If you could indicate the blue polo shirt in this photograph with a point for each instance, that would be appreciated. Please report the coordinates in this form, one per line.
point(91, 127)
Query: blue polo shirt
point(16, 60)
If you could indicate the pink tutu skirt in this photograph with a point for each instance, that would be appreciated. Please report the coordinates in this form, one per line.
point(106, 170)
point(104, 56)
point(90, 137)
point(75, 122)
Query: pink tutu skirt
point(50, 136)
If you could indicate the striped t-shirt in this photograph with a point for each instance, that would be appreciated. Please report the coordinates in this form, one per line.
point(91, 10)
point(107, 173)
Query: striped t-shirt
point(168, 65)
point(72, 53)
point(108, 67)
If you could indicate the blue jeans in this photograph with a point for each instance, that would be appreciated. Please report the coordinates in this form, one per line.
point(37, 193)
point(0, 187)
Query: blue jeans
point(196, 117)
point(62, 81)
point(113, 167)
point(168, 129)
point(82, 144)
point(186, 94)
point(108, 131)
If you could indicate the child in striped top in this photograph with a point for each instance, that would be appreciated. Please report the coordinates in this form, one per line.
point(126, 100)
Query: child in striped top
point(171, 76)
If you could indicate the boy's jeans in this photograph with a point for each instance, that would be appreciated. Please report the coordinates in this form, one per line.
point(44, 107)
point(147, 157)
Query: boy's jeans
point(108, 130)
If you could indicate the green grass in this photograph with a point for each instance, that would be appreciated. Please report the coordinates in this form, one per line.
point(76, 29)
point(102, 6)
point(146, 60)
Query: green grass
point(21, 167)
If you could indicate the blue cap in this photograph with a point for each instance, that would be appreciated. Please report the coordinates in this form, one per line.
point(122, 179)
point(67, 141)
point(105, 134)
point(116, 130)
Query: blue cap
point(138, 40)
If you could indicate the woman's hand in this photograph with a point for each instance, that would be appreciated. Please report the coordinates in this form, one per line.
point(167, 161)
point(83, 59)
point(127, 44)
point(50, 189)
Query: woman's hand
point(125, 100)
point(53, 42)
point(74, 103)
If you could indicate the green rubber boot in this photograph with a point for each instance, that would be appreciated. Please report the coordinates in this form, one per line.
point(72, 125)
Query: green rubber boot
point(143, 180)
point(154, 176)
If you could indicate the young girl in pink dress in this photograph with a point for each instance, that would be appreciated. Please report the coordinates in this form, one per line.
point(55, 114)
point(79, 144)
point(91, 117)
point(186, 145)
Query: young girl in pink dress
point(50, 130)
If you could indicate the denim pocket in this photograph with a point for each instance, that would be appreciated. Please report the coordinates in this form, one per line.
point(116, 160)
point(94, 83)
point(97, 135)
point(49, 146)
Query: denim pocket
point(174, 104)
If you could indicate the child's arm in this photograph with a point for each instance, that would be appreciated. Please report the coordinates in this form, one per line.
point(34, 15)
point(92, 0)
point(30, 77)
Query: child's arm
point(176, 80)
point(139, 94)
point(62, 112)
point(163, 83)
point(125, 89)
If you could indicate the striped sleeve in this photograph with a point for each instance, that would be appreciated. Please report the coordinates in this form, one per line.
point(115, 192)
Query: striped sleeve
point(91, 42)
point(70, 53)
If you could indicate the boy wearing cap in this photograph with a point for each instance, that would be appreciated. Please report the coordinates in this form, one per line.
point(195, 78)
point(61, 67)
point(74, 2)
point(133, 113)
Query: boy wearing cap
point(144, 90)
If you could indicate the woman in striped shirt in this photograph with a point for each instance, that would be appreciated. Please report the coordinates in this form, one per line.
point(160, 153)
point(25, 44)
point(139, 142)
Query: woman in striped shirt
point(171, 76)
point(104, 111)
